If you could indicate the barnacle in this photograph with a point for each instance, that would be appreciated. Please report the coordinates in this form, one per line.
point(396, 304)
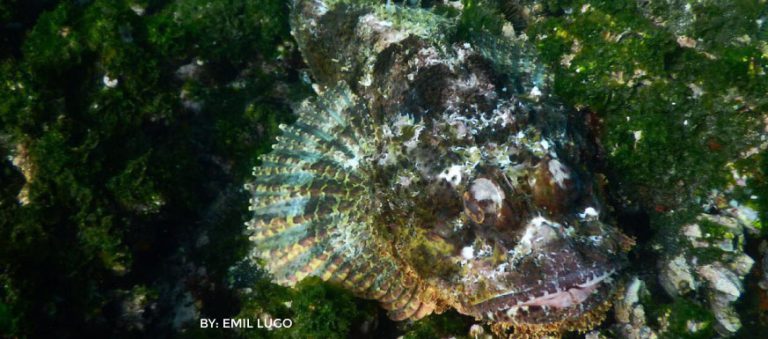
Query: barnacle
point(428, 174)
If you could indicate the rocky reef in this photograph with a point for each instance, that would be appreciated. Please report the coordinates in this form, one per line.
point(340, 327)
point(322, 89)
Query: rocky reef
point(127, 129)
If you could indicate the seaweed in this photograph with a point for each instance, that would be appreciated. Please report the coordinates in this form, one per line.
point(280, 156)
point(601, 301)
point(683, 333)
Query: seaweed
point(118, 179)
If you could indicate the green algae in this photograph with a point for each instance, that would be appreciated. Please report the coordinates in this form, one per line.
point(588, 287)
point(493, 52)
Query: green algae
point(317, 309)
point(123, 171)
point(323, 310)
point(678, 87)
point(479, 17)
point(682, 319)
point(666, 141)
point(449, 324)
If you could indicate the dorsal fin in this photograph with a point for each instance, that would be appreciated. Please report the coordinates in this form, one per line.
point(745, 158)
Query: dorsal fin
point(312, 203)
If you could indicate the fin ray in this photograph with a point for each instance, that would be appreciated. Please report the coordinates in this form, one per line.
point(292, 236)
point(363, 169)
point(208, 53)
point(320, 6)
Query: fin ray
point(313, 207)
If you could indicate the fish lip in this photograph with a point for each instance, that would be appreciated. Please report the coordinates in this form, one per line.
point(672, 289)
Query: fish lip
point(596, 280)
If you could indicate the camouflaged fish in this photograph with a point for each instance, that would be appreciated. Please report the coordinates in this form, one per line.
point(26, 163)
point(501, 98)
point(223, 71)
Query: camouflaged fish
point(431, 174)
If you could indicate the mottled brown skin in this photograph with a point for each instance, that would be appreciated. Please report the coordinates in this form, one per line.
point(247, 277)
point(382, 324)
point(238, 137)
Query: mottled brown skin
point(527, 197)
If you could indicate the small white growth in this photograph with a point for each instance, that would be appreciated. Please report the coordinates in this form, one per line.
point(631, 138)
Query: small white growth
point(461, 54)
point(401, 121)
point(476, 331)
point(559, 172)
point(317, 88)
point(138, 9)
point(468, 252)
point(320, 8)
point(589, 212)
point(367, 80)
point(696, 91)
point(348, 163)
point(473, 156)
point(692, 231)
point(739, 179)
point(535, 92)
point(485, 251)
point(404, 181)
point(545, 144)
point(386, 159)
point(541, 221)
point(453, 175)
point(411, 144)
point(460, 128)
point(508, 31)
point(538, 230)
point(501, 155)
point(638, 135)
point(457, 225)
point(429, 57)
point(109, 82)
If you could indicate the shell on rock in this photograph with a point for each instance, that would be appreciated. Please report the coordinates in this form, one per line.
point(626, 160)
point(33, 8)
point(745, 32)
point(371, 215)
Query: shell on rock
point(431, 174)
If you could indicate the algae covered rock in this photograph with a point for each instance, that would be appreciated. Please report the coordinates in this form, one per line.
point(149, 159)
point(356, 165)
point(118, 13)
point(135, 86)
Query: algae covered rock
point(711, 262)
point(630, 313)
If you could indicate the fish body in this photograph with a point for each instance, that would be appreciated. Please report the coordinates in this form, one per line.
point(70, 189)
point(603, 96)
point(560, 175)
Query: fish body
point(432, 174)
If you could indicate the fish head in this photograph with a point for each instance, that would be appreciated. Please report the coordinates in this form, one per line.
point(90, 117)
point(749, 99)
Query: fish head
point(509, 229)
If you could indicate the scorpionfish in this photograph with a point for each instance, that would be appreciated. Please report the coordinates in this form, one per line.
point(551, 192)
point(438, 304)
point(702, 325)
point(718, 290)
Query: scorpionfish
point(429, 174)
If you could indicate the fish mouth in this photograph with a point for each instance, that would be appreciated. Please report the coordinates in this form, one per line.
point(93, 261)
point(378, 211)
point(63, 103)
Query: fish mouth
point(568, 297)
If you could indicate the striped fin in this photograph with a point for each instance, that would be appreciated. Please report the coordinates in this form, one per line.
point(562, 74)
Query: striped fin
point(312, 207)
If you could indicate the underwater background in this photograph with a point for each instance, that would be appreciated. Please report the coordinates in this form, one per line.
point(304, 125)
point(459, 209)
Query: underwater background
point(128, 128)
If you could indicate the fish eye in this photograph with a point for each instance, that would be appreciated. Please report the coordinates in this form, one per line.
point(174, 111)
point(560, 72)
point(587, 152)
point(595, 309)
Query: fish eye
point(483, 200)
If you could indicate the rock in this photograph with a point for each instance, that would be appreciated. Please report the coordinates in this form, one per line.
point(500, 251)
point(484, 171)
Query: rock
point(742, 264)
point(711, 262)
point(676, 276)
point(725, 288)
point(630, 313)
point(722, 280)
point(594, 335)
point(132, 308)
point(764, 265)
point(692, 231)
point(728, 321)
